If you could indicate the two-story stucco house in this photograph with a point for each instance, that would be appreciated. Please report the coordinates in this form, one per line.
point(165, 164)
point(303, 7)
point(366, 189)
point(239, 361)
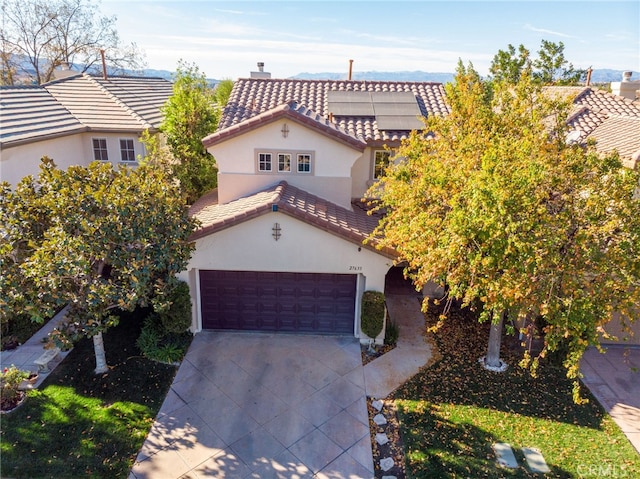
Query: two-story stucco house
point(76, 120)
point(280, 247)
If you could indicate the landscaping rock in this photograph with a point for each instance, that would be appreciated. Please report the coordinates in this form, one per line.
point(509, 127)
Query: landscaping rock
point(380, 420)
point(382, 439)
point(386, 463)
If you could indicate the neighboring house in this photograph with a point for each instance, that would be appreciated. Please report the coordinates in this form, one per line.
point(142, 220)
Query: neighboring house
point(280, 247)
point(613, 121)
point(76, 120)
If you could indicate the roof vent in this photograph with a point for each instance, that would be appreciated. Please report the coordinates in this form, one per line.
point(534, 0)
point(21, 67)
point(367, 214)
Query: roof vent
point(626, 76)
point(260, 73)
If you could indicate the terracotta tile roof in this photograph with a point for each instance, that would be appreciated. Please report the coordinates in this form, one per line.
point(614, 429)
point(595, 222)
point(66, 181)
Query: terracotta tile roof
point(294, 112)
point(613, 121)
point(31, 112)
point(81, 103)
point(354, 226)
point(251, 97)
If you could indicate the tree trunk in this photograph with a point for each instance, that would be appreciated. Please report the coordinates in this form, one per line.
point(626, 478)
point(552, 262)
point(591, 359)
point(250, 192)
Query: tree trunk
point(492, 359)
point(101, 358)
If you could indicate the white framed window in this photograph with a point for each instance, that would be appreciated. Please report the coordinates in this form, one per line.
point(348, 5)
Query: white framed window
point(304, 163)
point(100, 152)
point(288, 162)
point(264, 161)
point(127, 150)
point(381, 160)
point(284, 162)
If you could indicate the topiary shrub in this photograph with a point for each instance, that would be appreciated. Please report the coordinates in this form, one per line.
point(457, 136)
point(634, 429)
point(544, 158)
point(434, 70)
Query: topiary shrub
point(372, 313)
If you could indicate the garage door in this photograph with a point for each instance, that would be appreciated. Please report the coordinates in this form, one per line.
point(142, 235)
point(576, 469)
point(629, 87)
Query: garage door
point(287, 302)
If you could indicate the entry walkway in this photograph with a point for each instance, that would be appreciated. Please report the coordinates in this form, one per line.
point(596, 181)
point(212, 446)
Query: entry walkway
point(23, 356)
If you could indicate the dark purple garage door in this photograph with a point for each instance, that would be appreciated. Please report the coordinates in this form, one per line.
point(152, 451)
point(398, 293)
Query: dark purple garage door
point(287, 302)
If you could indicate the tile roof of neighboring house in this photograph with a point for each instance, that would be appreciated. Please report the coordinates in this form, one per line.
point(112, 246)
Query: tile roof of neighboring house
point(81, 103)
point(251, 97)
point(30, 112)
point(613, 121)
point(295, 112)
point(354, 226)
point(116, 103)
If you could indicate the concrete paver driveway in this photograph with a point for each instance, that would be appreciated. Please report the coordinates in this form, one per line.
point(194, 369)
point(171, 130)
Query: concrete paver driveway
point(264, 406)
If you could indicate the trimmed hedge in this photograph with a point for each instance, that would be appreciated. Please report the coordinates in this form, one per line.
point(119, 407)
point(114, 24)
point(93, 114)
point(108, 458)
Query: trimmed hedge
point(372, 317)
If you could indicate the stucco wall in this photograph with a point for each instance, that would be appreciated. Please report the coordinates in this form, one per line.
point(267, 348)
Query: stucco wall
point(20, 161)
point(331, 163)
point(301, 248)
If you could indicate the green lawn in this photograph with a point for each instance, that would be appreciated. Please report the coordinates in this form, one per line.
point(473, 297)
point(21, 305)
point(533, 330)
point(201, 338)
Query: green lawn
point(452, 412)
point(82, 425)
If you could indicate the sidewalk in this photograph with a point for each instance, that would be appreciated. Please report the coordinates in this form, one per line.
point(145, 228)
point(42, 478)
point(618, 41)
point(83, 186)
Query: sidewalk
point(24, 355)
point(614, 379)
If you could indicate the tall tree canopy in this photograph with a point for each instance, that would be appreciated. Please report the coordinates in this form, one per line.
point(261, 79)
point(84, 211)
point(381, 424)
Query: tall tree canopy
point(190, 114)
point(549, 68)
point(495, 205)
point(37, 36)
point(95, 239)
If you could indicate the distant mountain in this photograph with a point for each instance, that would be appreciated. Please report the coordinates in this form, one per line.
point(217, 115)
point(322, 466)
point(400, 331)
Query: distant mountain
point(379, 76)
point(597, 76)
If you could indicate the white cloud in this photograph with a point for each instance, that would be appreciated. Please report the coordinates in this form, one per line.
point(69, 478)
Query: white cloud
point(548, 32)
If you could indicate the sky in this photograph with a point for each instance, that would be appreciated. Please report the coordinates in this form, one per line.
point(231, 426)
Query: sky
point(226, 39)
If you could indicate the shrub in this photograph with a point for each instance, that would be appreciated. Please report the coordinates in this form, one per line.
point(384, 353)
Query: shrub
point(177, 318)
point(164, 336)
point(391, 332)
point(372, 317)
point(10, 380)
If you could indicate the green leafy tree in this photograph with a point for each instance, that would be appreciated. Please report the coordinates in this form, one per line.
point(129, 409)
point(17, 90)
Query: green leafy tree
point(37, 36)
point(549, 68)
point(494, 205)
point(223, 92)
point(190, 114)
point(95, 239)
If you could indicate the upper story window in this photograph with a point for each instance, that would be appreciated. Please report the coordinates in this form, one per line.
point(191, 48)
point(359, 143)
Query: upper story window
point(100, 149)
point(380, 162)
point(264, 161)
point(284, 161)
point(304, 163)
point(127, 151)
point(287, 161)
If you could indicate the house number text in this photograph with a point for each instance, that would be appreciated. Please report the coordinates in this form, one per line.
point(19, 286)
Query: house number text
point(355, 268)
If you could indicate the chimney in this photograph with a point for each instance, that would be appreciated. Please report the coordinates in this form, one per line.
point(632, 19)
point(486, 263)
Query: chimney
point(589, 72)
point(64, 71)
point(626, 88)
point(260, 73)
point(350, 69)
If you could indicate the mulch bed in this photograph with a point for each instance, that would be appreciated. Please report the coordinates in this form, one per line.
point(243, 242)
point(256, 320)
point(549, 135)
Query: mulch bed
point(378, 350)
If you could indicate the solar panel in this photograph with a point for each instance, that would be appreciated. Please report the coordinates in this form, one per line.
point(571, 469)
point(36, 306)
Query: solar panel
point(350, 103)
point(401, 123)
point(392, 110)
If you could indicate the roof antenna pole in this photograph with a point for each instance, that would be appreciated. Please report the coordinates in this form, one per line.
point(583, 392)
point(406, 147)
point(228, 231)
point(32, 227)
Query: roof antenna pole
point(350, 69)
point(104, 64)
